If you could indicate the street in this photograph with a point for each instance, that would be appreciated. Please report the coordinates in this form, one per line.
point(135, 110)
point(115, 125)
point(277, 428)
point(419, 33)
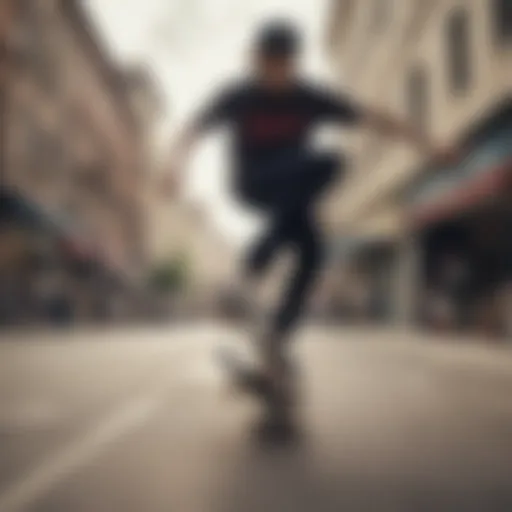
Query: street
point(142, 419)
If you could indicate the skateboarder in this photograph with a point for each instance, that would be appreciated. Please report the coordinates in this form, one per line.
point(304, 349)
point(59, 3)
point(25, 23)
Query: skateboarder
point(271, 114)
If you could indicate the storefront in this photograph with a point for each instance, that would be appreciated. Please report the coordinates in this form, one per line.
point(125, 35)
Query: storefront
point(101, 291)
point(462, 218)
point(22, 233)
point(364, 269)
point(49, 272)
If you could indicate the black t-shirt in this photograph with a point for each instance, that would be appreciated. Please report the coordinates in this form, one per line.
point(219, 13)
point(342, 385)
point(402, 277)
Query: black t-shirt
point(265, 124)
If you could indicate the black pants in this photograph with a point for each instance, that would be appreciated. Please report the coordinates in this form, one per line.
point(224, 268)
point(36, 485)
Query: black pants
point(286, 189)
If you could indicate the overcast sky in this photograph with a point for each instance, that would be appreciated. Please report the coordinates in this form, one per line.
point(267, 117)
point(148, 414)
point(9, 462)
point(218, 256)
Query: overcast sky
point(193, 46)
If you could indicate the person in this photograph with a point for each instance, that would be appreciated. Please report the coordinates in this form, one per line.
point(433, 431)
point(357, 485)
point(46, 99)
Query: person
point(272, 113)
point(456, 283)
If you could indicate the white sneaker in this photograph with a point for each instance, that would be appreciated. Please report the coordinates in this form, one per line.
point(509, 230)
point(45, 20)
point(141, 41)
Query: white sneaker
point(235, 304)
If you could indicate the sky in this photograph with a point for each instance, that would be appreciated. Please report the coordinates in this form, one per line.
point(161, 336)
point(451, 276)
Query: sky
point(193, 46)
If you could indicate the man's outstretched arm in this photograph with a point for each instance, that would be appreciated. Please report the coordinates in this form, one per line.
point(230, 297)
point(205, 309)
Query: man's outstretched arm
point(393, 127)
point(213, 114)
point(342, 108)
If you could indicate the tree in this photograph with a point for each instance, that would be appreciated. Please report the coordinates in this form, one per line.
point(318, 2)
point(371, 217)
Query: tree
point(170, 277)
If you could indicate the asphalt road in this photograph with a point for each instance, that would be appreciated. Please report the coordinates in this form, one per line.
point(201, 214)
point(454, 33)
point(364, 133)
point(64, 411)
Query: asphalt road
point(143, 420)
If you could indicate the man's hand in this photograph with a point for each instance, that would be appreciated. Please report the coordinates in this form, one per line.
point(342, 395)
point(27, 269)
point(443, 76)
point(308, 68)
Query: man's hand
point(388, 125)
point(447, 155)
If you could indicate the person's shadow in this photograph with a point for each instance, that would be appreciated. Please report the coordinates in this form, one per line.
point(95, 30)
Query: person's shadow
point(292, 478)
point(271, 476)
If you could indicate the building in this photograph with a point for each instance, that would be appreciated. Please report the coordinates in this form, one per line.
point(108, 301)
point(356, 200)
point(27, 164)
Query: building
point(73, 150)
point(145, 95)
point(213, 262)
point(147, 103)
point(446, 65)
point(182, 230)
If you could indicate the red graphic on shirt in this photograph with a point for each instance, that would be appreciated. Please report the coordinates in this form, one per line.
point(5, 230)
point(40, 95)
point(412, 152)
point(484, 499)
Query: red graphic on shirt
point(273, 126)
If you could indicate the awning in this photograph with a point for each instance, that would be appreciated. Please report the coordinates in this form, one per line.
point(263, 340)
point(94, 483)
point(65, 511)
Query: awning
point(15, 208)
point(76, 248)
point(475, 192)
point(484, 175)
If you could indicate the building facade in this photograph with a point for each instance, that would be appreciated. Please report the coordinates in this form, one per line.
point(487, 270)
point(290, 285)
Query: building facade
point(73, 149)
point(147, 103)
point(445, 65)
point(182, 230)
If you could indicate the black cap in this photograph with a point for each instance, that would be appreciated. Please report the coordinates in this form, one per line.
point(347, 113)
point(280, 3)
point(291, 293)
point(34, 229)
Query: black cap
point(278, 38)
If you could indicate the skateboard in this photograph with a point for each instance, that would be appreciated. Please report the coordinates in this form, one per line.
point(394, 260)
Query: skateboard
point(278, 423)
point(243, 372)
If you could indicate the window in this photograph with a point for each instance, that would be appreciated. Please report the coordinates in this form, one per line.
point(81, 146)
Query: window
point(39, 152)
point(417, 94)
point(34, 47)
point(94, 180)
point(502, 16)
point(458, 51)
point(381, 14)
point(35, 148)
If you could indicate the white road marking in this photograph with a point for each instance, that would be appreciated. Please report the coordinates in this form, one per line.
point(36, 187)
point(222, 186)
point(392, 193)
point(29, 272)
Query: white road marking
point(119, 423)
point(124, 420)
point(45, 476)
point(33, 415)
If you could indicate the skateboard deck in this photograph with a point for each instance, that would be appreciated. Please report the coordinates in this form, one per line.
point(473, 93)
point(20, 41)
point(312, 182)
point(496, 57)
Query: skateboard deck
point(243, 371)
point(278, 424)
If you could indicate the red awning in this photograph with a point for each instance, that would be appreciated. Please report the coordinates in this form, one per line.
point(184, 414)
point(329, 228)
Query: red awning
point(77, 249)
point(492, 184)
